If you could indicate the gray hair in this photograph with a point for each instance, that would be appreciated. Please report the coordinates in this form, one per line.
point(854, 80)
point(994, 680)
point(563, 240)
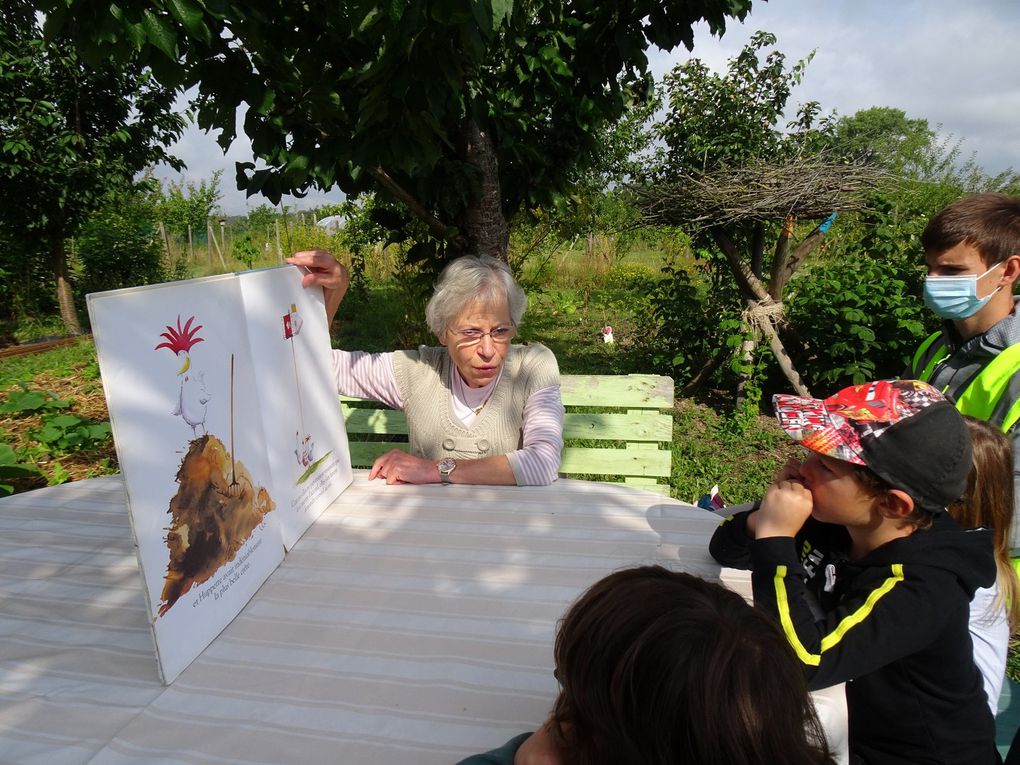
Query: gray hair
point(470, 278)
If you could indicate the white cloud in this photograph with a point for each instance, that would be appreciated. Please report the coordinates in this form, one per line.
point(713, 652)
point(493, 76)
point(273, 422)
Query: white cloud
point(953, 64)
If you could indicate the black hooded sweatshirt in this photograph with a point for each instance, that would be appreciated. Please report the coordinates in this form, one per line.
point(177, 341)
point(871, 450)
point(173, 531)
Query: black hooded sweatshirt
point(892, 625)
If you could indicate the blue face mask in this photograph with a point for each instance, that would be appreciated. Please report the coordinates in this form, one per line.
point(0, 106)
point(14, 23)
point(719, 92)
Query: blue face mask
point(955, 297)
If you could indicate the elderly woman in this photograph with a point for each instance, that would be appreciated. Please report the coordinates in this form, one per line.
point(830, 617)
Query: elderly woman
point(479, 409)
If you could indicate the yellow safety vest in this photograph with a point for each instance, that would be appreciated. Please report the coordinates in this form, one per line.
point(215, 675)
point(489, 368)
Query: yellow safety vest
point(982, 394)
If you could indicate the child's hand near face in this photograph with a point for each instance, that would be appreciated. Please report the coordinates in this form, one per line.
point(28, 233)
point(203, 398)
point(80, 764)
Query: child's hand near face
point(790, 471)
point(786, 506)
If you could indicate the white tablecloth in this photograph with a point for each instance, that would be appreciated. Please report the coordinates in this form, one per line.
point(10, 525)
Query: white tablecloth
point(409, 625)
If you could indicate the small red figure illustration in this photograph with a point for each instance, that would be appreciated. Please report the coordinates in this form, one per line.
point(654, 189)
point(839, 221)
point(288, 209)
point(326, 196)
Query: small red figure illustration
point(304, 446)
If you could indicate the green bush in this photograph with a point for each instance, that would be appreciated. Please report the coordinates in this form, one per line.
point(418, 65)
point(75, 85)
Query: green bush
point(858, 318)
point(119, 247)
point(691, 321)
point(245, 250)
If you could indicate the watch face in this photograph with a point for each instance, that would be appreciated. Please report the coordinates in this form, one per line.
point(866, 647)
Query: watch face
point(446, 465)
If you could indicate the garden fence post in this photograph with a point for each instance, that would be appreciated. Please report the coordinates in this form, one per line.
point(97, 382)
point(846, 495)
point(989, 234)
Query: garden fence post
point(166, 241)
point(219, 250)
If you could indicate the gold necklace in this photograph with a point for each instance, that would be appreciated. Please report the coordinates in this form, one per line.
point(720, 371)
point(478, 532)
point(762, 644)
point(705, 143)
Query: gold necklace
point(479, 409)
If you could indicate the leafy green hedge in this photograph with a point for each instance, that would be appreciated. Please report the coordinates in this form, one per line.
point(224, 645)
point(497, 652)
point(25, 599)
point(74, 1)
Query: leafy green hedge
point(857, 319)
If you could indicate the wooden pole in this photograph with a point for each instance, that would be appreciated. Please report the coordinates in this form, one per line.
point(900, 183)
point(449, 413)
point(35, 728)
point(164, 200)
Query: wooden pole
point(191, 246)
point(166, 242)
point(219, 250)
point(279, 247)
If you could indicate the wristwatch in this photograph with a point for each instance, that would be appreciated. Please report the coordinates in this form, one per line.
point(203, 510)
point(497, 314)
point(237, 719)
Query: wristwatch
point(446, 466)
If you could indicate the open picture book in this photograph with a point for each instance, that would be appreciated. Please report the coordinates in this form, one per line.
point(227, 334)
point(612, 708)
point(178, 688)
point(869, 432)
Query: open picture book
point(229, 434)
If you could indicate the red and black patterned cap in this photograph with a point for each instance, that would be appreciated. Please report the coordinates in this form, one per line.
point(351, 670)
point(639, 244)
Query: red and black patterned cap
point(903, 430)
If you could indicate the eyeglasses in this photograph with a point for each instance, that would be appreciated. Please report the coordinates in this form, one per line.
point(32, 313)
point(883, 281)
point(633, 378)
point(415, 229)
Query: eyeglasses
point(499, 335)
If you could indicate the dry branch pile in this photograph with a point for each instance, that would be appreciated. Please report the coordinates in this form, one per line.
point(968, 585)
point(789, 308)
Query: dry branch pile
point(804, 188)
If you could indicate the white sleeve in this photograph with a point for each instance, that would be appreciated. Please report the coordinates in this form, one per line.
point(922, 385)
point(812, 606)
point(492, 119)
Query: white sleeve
point(989, 632)
point(538, 462)
point(367, 375)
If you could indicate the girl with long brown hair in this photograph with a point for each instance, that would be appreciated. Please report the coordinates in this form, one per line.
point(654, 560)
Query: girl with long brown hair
point(988, 503)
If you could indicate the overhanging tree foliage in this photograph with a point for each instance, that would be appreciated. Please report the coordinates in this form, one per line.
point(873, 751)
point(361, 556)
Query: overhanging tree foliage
point(465, 111)
point(69, 134)
point(729, 176)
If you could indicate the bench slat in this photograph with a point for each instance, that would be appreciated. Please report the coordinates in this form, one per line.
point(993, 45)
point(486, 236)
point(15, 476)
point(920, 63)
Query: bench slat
point(648, 426)
point(625, 462)
point(625, 391)
point(599, 426)
point(576, 461)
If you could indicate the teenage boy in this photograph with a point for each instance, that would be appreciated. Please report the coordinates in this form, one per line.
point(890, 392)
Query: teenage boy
point(972, 250)
point(870, 579)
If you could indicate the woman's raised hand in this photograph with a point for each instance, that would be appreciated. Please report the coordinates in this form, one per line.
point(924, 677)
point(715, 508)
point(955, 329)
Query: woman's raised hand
point(323, 270)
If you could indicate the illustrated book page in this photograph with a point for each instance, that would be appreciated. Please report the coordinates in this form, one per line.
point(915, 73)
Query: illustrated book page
point(189, 398)
point(305, 439)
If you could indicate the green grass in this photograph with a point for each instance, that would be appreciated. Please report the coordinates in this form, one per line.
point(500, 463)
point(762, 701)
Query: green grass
point(25, 368)
point(741, 455)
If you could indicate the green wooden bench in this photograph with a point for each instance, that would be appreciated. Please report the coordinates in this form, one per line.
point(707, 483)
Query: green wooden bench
point(616, 428)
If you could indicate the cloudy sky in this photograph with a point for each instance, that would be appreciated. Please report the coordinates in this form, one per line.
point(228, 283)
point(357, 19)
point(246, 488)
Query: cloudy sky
point(956, 64)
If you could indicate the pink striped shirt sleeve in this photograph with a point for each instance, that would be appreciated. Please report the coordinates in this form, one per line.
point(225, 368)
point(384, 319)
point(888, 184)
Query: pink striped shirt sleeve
point(536, 463)
point(367, 375)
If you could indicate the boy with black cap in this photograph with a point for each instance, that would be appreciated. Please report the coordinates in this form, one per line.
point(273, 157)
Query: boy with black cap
point(869, 577)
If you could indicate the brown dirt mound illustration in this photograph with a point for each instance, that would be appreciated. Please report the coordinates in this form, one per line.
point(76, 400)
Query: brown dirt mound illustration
point(211, 519)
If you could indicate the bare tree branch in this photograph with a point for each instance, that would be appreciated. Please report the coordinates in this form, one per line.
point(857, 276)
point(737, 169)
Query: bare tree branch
point(437, 228)
point(805, 188)
point(749, 284)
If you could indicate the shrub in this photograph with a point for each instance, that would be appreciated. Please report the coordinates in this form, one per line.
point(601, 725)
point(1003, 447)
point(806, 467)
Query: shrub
point(858, 318)
point(119, 247)
point(692, 320)
point(245, 250)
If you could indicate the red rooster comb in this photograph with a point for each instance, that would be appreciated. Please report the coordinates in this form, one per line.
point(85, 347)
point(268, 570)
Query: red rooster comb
point(180, 339)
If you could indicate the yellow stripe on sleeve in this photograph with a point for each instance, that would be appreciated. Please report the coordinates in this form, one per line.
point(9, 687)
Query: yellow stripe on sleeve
point(848, 622)
point(783, 604)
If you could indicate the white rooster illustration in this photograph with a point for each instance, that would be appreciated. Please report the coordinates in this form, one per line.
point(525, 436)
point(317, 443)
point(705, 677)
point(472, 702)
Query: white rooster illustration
point(193, 397)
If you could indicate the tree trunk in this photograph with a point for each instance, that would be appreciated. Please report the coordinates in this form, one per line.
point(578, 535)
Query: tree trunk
point(765, 317)
point(485, 227)
point(758, 249)
point(750, 286)
point(811, 241)
point(706, 371)
point(65, 295)
point(784, 361)
point(779, 260)
point(747, 350)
